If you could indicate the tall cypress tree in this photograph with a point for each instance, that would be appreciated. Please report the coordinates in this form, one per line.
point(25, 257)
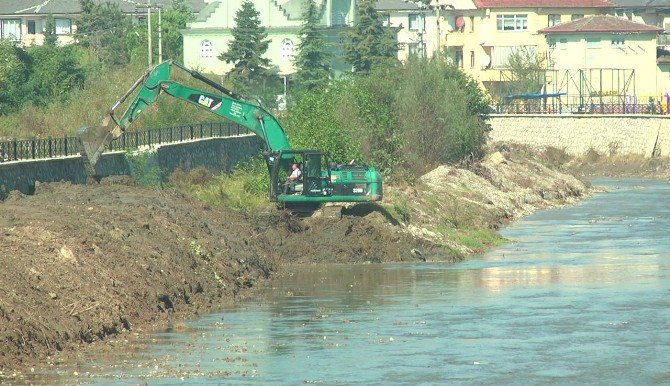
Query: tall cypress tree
point(247, 47)
point(312, 62)
point(50, 38)
point(368, 43)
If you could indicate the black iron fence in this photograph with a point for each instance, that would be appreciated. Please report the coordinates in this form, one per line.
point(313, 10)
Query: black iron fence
point(42, 148)
point(583, 108)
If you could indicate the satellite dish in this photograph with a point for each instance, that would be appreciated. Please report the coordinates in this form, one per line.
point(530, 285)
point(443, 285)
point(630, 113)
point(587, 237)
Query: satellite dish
point(485, 61)
point(460, 22)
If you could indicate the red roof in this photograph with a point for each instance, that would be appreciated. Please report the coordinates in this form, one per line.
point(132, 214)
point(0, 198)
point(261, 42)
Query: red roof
point(542, 3)
point(600, 23)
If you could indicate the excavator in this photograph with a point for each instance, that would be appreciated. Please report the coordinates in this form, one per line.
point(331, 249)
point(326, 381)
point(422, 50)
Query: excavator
point(321, 181)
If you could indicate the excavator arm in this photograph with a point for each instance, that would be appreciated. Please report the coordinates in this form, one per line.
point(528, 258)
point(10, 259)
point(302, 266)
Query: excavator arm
point(148, 87)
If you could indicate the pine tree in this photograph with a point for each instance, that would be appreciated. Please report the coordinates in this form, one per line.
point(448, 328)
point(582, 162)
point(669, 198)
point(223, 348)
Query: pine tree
point(102, 28)
point(369, 44)
point(247, 47)
point(174, 20)
point(312, 62)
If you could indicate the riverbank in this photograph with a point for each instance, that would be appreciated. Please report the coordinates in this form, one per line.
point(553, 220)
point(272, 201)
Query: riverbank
point(85, 266)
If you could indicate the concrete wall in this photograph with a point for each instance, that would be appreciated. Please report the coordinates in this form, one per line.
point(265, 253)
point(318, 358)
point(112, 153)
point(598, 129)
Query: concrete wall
point(218, 154)
point(576, 134)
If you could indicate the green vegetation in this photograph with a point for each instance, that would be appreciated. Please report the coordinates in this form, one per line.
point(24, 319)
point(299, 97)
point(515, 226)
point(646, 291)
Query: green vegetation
point(245, 188)
point(251, 71)
point(311, 62)
point(405, 120)
point(369, 45)
point(144, 170)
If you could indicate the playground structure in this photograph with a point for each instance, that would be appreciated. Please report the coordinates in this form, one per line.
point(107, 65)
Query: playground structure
point(582, 91)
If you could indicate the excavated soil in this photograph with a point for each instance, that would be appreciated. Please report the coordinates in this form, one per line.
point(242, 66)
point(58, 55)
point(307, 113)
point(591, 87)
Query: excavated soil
point(82, 264)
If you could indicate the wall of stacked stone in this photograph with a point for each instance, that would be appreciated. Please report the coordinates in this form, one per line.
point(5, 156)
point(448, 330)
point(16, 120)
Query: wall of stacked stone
point(647, 135)
point(217, 154)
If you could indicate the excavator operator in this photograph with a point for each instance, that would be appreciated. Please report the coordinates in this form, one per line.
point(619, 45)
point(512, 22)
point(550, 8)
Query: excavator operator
point(293, 179)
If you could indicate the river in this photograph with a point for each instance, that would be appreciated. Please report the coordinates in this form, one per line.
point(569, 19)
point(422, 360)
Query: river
point(582, 295)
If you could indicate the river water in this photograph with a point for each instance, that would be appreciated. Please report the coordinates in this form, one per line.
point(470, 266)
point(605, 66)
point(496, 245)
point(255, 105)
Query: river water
point(582, 296)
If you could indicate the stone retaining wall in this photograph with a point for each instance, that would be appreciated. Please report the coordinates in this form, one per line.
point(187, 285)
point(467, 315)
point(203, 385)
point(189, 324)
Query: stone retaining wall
point(218, 154)
point(607, 134)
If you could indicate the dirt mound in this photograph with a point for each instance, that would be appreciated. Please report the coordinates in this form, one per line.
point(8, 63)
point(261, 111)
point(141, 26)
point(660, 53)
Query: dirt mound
point(83, 263)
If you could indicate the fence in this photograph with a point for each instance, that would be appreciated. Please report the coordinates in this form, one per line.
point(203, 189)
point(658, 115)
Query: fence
point(31, 149)
point(593, 108)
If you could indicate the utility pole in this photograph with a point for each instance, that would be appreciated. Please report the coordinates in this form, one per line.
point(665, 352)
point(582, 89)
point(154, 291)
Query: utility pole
point(160, 37)
point(151, 61)
point(437, 29)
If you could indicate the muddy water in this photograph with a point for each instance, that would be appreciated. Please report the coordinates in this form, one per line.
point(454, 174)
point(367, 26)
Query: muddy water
point(581, 296)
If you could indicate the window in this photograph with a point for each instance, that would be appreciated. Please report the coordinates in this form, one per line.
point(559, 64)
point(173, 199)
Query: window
point(592, 43)
point(500, 55)
point(31, 27)
point(416, 22)
point(618, 41)
point(206, 49)
point(472, 24)
point(554, 19)
point(551, 42)
point(576, 16)
point(10, 29)
point(417, 49)
point(472, 59)
point(458, 58)
point(287, 49)
point(63, 26)
point(512, 22)
point(563, 44)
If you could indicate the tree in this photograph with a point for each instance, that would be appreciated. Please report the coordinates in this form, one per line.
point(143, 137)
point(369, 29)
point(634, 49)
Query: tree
point(312, 62)
point(527, 70)
point(14, 75)
point(246, 49)
point(55, 73)
point(369, 44)
point(174, 19)
point(102, 28)
point(50, 37)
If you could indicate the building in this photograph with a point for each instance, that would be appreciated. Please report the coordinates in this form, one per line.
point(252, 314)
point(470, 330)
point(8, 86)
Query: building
point(207, 37)
point(483, 38)
point(24, 21)
point(615, 58)
point(417, 24)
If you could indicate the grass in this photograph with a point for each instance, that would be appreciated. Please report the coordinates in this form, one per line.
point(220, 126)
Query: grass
point(244, 189)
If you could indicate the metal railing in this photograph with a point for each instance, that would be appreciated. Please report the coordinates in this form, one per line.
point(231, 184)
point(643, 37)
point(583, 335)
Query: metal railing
point(592, 108)
point(43, 148)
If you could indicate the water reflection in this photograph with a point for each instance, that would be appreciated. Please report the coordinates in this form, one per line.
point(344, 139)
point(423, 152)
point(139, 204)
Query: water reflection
point(581, 296)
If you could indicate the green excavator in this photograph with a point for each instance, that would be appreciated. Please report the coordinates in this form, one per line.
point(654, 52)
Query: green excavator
point(321, 181)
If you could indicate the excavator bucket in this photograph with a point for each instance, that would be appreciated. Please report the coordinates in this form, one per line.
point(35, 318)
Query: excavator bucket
point(93, 140)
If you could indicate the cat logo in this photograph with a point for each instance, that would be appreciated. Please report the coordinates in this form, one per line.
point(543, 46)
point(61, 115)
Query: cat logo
point(208, 101)
point(205, 101)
